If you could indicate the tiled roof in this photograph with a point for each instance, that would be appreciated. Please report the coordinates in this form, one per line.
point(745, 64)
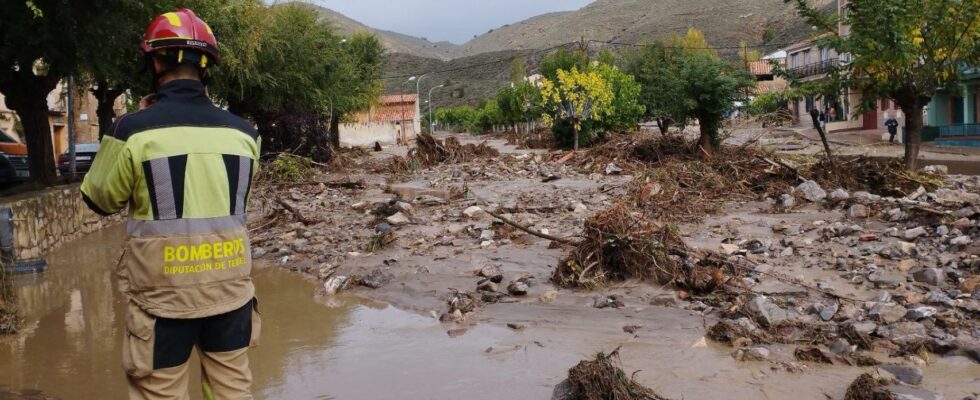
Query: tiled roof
point(390, 109)
point(777, 85)
point(761, 67)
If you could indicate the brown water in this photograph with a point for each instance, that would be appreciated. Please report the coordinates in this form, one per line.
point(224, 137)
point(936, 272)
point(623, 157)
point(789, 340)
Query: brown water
point(347, 348)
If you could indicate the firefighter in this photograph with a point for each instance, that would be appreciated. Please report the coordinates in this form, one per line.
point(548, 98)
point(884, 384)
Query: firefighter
point(184, 167)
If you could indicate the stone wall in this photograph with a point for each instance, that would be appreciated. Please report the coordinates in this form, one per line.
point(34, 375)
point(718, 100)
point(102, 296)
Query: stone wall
point(43, 221)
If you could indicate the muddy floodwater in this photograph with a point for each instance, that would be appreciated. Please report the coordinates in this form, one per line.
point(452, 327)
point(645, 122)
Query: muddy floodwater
point(348, 348)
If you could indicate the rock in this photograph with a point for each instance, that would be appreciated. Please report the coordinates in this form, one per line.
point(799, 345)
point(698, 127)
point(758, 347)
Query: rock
point(930, 276)
point(963, 224)
point(398, 219)
point(882, 297)
point(961, 241)
point(376, 278)
point(841, 346)
point(858, 211)
point(474, 212)
point(907, 374)
point(787, 252)
point(489, 271)
point(404, 207)
point(942, 230)
point(548, 296)
point(839, 195)
point(917, 193)
point(486, 285)
point(906, 265)
point(360, 205)
point(665, 300)
point(515, 326)
point(811, 191)
point(487, 234)
point(766, 312)
point(903, 332)
point(905, 248)
point(334, 284)
point(899, 392)
point(828, 312)
point(751, 354)
point(578, 207)
point(762, 269)
point(258, 252)
point(607, 302)
point(865, 327)
point(383, 227)
point(430, 200)
point(938, 169)
point(956, 197)
point(920, 312)
point(728, 248)
point(786, 201)
point(518, 288)
point(887, 312)
point(613, 169)
point(865, 197)
point(914, 233)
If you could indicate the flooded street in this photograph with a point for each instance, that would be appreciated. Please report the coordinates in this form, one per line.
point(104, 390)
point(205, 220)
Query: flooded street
point(348, 348)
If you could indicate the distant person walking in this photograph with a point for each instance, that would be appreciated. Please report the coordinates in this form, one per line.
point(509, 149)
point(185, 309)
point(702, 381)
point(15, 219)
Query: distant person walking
point(892, 125)
point(815, 115)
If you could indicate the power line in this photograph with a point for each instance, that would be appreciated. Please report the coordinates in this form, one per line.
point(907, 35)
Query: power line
point(613, 43)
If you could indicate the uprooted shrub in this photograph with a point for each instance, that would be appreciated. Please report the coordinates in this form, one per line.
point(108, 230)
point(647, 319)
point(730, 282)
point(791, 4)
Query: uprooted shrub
point(622, 243)
point(602, 379)
point(864, 388)
point(428, 151)
point(288, 168)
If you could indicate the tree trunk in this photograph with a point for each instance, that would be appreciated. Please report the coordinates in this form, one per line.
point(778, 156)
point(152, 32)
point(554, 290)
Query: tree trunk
point(575, 132)
point(106, 100)
point(826, 144)
point(913, 133)
point(27, 94)
point(335, 132)
point(664, 125)
point(709, 130)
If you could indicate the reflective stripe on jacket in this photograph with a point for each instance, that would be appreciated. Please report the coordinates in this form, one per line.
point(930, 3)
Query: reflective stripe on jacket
point(184, 167)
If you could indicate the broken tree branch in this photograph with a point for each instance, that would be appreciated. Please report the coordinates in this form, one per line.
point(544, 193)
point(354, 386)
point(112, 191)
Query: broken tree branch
point(296, 213)
point(528, 230)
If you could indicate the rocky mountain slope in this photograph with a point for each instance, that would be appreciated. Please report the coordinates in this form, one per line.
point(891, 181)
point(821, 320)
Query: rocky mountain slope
point(393, 41)
point(724, 22)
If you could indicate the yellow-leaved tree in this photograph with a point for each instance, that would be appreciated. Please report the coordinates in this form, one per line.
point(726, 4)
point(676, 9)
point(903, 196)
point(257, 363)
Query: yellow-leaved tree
point(577, 96)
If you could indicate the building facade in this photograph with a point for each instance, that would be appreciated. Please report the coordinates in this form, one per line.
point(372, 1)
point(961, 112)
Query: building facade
point(395, 119)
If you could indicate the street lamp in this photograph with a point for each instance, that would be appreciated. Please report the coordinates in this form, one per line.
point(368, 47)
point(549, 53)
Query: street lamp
point(432, 128)
point(402, 106)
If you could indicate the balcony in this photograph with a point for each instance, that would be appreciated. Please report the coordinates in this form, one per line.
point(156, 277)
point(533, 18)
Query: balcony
point(958, 130)
point(815, 69)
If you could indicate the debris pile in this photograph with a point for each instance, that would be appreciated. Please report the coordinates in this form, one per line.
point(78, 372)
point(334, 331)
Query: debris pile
point(429, 151)
point(601, 379)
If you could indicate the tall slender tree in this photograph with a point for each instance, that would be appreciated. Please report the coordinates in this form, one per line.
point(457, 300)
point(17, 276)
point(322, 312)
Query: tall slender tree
point(904, 50)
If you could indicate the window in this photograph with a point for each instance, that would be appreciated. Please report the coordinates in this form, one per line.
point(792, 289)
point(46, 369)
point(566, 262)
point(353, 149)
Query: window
point(824, 54)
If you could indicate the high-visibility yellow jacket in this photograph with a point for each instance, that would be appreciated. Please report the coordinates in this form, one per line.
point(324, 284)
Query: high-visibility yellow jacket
point(184, 167)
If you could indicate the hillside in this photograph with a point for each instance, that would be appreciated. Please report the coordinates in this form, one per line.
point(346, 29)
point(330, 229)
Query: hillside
point(724, 23)
point(394, 42)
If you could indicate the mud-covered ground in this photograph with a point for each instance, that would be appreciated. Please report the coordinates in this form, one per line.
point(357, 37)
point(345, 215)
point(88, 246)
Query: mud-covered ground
point(829, 281)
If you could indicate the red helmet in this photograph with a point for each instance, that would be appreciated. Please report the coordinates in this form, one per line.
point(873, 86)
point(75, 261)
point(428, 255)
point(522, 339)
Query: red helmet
point(181, 29)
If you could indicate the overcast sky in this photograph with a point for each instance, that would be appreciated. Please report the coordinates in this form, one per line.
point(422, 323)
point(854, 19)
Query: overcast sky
point(450, 20)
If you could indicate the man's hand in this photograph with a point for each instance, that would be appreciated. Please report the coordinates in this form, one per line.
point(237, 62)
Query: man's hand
point(147, 101)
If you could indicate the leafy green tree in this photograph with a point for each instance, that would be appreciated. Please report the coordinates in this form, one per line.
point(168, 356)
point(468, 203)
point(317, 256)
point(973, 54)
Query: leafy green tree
point(709, 89)
point(904, 50)
point(625, 112)
point(657, 71)
point(39, 46)
point(518, 71)
point(576, 97)
point(563, 60)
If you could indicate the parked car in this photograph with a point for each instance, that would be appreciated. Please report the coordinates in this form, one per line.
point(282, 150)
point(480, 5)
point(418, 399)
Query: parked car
point(84, 156)
point(13, 159)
